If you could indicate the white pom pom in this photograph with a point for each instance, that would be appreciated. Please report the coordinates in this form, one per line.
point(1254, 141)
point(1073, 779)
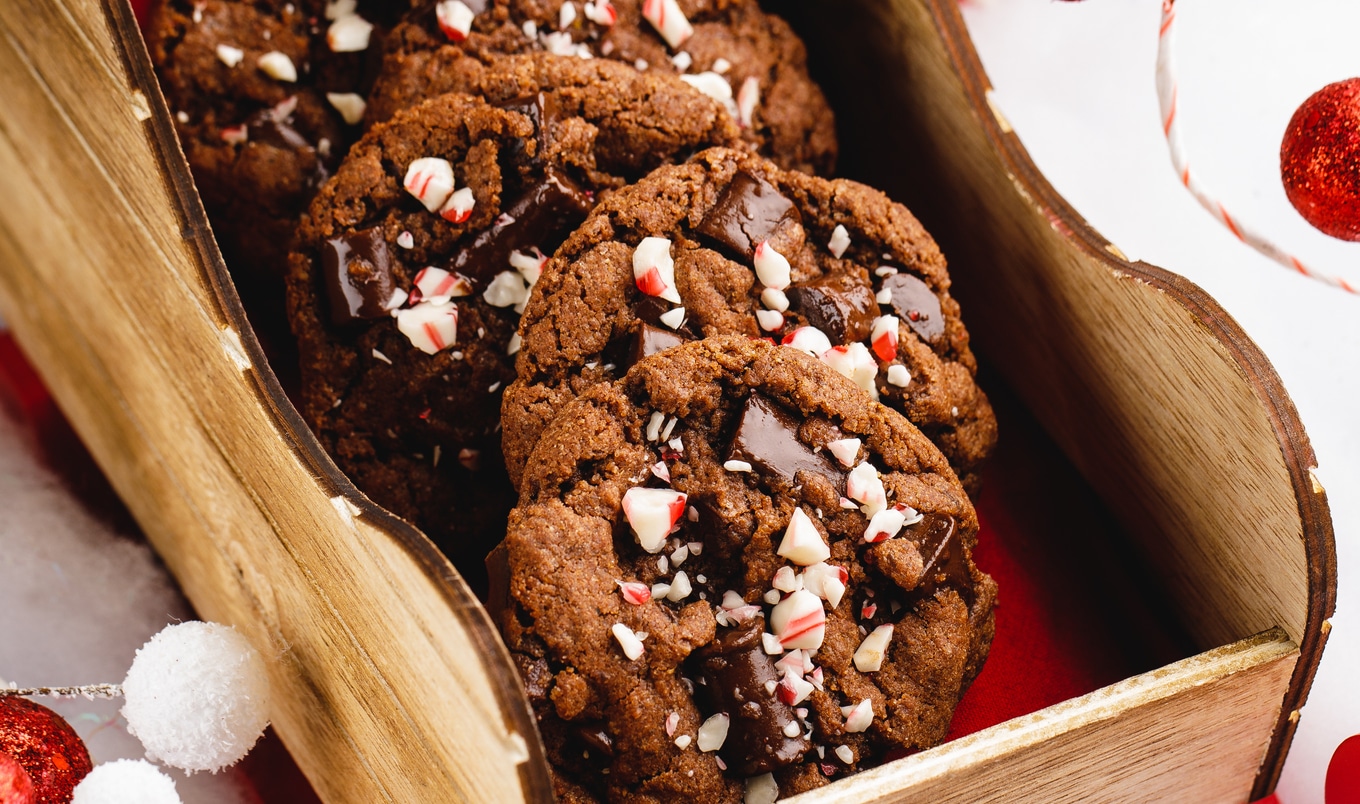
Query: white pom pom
point(126, 781)
point(197, 696)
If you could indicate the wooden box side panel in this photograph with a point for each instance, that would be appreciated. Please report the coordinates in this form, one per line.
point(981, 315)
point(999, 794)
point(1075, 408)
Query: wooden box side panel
point(1192, 731)
point(388, 682)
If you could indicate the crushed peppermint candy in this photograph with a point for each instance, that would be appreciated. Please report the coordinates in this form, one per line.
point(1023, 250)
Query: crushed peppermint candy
point(772, 269)
point(659, 469)
point(530, 29)
point(859, 716)
point(869, 656)
point(808, 339)
point(384, 358)
point(653, 432)
point(666, 431)
point(680, 587)
point(350, 105)
point(634, 592)
point(278, 66)
point(845, 450)
point(673, 318)
point(230, 56)
point(507, 289)
point(436, 284)
point(791, 729)
point(827, 582)
point(458, 208)
point(651, 513)
point(737, 466)
point(349, 34)
point(855, 362)
point(628, 640)
point(601, 12)
point(455, 19)
point(641, 65)
point(340, 8)
point(654, 270)
point(406, 240)
point(845, 754)
point(721, 65)
point(799, 620)
point(682, 60)
point(884, 337)
point(886, 524)
point(761, 790)
point(514, 344)
point(471, 459)
point(770, 320)
point(672, 721)
point(885, 271)
point(566, 15)
point(865, 486)
point(772, 597)
point(235, 135)
point(679, 554)
point(898, 375)
point(668, 20)
point(430, 327)
point(884, 296)
point(793, 689)
point(713, 733)
point(430, 180)
point(529, 264)
point(840, 241)
point(710, 84)
point(770, 644)
point(774, 299)
point(785, 580)
point(682, 742)
point(803, 543)
point(748, 98)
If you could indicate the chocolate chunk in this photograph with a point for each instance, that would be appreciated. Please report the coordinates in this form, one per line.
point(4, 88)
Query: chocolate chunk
point(542, 217)
point(946, 563)
point(598, 738)
point(357, 272)
point(767, 438)
point(749, 211)
point(843, 308)
point(735, 669)
point(916, 304)
point(541, 109)
point(650, 340)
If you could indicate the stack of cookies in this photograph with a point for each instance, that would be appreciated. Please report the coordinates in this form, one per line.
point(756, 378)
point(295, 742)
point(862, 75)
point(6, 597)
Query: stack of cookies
point(566, 285)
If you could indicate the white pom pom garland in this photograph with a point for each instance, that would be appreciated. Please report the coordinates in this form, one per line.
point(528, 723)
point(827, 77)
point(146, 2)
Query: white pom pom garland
point(197, 696)
point(126, 781)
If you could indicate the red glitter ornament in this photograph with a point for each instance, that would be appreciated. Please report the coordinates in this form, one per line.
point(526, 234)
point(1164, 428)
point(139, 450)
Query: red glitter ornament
point(1320, 159)
point(15, 785)
point(46, 746)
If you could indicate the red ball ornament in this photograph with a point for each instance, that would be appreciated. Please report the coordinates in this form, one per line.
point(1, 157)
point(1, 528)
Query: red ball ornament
point(16, 787)
point(46, 746)
point(1320, 159)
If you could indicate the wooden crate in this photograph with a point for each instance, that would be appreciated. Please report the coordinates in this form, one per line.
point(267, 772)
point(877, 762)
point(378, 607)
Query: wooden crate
point(391, 683)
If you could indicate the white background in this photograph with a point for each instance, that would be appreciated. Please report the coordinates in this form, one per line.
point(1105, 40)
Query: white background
point(1076, 80)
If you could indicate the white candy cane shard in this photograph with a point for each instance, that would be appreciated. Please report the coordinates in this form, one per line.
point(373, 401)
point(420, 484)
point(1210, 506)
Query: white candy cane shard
point(898, 375)
point(340, 8)
point(651, 513)
point(845, 754)
point(680, 588)
point(682, 61)
point(845, 450)
point(827, 582)
point(840, 241)
point(803, 543)
point(429, 327)
point(349, 34)
point(885, 524)
point(761, 790)
point(673, 318)
point(770, 320)
point(230, 56)
point(748, 98)
point(566, 15)
point(632, 646)
point(855, 362)
point(455, 19)
point(668, 20)
point(864, 486)
point(869, 655)
point(774, 299)
point(858, 717)
point(601, 12)
point(350, 106)
point(514, 345)
point(710, 84)
point(799, 621)
point(884, 337)
point(507, 290)
point(672, 721)
point(808, 339)
point(430, 180)
point(235, 135)
point(397, 299)
point(737, 466)
point(634, 592)
point(529, 264)
point(459, 206)
point(793, 689)
point(406, 240)
point(682, 742)
point(654, 270)
point(278, 66)
point(435, 282)
point(771, 268)
point(770, 644)
point(713, 733)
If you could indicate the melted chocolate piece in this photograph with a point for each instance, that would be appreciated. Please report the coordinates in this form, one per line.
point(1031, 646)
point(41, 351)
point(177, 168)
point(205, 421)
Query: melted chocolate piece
point(749, 210)
point(598, 738)
point(648, 341)
point(946, 563)
point(841, 307)
point(542, 217)
point(357, 272)
point(263, 128)
point(735, 669)
point(767, 438)
point(917, 305)
point(540, 108)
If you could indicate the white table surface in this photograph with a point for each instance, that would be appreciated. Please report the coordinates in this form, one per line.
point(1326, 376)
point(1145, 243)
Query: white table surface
point(1076, 80)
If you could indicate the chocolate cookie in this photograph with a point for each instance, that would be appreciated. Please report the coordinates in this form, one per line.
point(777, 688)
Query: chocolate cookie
point(747, 59)
point(729, 243)
point(731, 563)
point(415, 259)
